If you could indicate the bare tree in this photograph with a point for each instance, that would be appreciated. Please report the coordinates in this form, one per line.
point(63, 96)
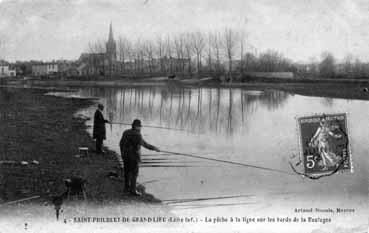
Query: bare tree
point(189, 48)
point(141, 57)
point(124, 46)
point(217, 44)
point(149, 52)
point(169, 53)
point(327, 65)
point(348, 65)
point(359, 69)
point(138, 54)
point(96, 57)
point(179, 43)
point(313, 68)
point(250, 62)
point(210, 53)
point(160, 52)
point(242, 51)
point(129, 65)
point(230, 42)
point(198, 44)
point(273, 61)
point(267, 61)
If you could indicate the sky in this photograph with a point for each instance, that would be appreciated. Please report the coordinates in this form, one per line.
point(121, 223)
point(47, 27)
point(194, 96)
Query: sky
point(300, 29)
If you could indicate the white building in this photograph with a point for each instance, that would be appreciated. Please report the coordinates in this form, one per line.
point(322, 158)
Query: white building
point(7, 71)
point(45, 69)
point(52, 68)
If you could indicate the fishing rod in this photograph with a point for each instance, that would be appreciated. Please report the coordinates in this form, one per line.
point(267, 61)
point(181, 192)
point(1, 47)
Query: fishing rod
point(19, 200)
point(229, 162)
point(153, 126)
point(179, 201)
point(222, 161)
point(186, 207)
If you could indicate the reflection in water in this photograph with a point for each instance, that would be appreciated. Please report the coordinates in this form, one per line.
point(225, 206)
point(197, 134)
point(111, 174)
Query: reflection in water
point(199, 110)
point(327, 101)
point(252, 127)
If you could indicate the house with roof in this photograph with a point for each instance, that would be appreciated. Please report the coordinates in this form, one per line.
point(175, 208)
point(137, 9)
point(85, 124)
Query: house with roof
point(45, 68)
point(7, 70)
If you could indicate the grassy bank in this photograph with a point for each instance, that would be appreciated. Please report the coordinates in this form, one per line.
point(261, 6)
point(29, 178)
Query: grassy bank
point(43, 131)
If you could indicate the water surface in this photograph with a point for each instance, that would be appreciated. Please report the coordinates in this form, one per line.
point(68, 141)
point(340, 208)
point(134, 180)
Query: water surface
point(253, 127)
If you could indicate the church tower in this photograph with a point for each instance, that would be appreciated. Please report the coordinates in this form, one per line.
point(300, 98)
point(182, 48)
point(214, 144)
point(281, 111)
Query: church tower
point(111, 47)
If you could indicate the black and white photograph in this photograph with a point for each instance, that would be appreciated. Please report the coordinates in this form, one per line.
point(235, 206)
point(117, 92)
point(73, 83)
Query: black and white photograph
point(191, 116)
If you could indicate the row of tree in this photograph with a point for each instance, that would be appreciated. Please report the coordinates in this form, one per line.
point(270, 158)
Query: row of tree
point(329, 67)
point(216, 54)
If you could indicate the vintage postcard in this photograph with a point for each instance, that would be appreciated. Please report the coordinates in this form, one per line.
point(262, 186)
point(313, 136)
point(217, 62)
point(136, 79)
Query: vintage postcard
point(209, 116)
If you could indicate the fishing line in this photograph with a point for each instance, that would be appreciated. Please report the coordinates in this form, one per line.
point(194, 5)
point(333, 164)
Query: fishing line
point(218, 160)
point(152, 126)
point(20, 200)
point(212, 206)
point(177, 201)
point(201, 157)
point(231, 162)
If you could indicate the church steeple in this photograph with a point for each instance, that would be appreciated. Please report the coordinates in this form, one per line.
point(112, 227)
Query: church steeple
point(111, 38)
point(111, 48)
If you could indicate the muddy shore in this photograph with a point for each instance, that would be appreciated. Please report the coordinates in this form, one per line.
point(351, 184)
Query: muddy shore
point(44, 132)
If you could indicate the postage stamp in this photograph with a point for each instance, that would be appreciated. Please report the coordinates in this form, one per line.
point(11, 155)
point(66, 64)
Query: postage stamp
point(324, 143)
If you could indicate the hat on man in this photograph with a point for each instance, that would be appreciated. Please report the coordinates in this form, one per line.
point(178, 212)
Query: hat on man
point(100, 105)
point(136, 123)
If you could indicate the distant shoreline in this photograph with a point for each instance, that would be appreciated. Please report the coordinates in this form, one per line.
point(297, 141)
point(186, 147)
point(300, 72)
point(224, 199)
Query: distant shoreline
point(330, 88)
point(203, 81)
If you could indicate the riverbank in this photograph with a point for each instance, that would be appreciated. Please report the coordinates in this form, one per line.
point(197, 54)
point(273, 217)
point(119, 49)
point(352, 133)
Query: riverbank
point(43, 132)
point(327, 90)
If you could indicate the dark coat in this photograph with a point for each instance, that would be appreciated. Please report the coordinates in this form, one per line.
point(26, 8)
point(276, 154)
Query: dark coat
point(130, 145)
point(99, 130)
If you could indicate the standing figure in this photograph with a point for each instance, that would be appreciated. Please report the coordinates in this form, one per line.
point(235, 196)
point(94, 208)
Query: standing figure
point(130, 147)
point(99, 131)
point(321, 139)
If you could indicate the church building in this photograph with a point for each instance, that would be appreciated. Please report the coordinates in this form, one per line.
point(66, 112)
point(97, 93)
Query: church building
point(102, 63)
point(111, 46)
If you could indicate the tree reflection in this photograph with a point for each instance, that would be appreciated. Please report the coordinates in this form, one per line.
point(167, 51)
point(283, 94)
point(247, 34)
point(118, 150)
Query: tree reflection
point(227, 110)
point(327, 101)
point(230, 115)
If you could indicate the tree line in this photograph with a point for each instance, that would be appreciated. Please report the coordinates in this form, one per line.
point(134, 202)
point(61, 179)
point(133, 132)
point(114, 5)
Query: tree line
point(222, 54)
point(215, 54)
point(331, 67)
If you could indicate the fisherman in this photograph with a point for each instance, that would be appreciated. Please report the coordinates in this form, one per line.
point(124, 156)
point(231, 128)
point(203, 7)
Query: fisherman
point(99, 131)
point(130, 147)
